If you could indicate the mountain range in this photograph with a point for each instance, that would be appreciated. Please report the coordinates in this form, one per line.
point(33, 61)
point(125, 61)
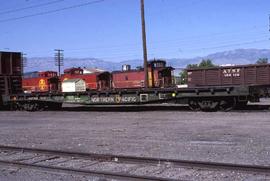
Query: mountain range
point(237, 56)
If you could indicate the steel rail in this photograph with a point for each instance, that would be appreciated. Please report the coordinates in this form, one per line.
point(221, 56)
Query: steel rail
point(103, 174)
point(148, 160)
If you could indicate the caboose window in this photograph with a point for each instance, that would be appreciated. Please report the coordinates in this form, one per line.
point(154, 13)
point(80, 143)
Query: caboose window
point(126, 77)
point(159, 65)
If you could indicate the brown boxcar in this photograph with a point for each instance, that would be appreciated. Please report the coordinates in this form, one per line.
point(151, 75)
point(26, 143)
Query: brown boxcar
point(10, 63)
point(10, 73)
point(255, 74)
point(158, 76)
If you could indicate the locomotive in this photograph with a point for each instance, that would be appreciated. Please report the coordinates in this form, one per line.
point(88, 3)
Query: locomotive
point(46, 81)
point(160, 76)
point(99, 80)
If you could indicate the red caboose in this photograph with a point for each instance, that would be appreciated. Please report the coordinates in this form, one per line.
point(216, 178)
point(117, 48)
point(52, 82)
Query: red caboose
point(40, 81)
point(94, 80)
point(159, 76)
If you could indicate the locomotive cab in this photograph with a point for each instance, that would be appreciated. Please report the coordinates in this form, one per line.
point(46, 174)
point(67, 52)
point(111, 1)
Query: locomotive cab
point(74, 71)
point(165, 77)
point(52, 79)
point(159, 75)
point(45, 81)
point(95, 80)
point(103, 81)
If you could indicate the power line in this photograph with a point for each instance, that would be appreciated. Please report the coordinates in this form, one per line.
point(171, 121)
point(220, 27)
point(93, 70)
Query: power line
point(166, 43)
point(153, 51)
point(192, 45)
point(153, 47)
point(30, 7)
point(52, 11)
point(231, 45)
point(184, 43)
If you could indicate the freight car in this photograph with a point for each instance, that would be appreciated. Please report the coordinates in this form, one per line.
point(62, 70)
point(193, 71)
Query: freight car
point(255, 77)
point(159, 76)
point(46, 81)
point(245, 75)
point(10, 74)
point(94, 81)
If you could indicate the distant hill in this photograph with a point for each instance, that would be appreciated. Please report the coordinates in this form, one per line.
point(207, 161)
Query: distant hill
point(238, 56)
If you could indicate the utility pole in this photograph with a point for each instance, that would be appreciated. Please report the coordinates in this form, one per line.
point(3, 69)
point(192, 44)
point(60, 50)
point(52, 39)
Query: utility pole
point(144, 46)
point(59, 59)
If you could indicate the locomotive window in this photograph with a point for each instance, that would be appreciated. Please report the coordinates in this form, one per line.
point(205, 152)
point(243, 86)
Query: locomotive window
point(159, 64)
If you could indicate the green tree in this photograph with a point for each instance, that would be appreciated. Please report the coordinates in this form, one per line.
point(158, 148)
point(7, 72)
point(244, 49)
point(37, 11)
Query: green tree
point(262, 61)
point(205, 63)
point(192, 66)
point(183, 74)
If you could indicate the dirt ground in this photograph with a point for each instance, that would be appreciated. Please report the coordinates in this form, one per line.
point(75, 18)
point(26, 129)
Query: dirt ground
point(233, 137)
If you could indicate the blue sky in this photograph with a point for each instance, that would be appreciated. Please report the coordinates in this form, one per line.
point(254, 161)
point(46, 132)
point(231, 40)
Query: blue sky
point(111, 29)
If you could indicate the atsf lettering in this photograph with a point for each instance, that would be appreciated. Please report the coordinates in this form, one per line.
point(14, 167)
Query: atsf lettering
point(231, 72)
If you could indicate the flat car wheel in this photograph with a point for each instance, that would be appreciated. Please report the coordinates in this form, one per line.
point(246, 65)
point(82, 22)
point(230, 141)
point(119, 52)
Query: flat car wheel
point(193, 105)
point(227, 105)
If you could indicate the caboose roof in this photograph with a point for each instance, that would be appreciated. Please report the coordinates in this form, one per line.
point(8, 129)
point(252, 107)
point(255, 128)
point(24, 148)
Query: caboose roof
point(157, 60)
point(72, 80)
point(92, 70)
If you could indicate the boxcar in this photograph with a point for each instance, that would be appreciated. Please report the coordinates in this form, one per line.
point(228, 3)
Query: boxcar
point(246, 75)
point(10, 73)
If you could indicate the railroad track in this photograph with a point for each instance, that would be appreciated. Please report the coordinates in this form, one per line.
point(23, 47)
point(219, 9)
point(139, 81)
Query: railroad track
point(118, 166)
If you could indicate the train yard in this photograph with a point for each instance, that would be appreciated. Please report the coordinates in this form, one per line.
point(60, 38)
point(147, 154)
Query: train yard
point(165, 138)
point(213, 89)
point(122, 144)
point(111, 118)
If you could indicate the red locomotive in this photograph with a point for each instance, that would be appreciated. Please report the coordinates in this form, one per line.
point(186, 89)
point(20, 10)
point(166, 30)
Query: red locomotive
point(159, 76)
point(94, 80)
point(40, 81)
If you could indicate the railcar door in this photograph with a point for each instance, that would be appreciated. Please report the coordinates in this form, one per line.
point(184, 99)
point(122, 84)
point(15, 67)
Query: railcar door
point(104, 80)
point(53, 84)
point(165, 77)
